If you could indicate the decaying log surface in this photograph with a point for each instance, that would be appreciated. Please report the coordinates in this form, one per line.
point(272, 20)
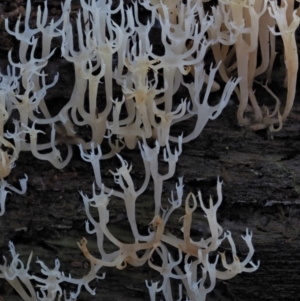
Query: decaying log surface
point(261, 192)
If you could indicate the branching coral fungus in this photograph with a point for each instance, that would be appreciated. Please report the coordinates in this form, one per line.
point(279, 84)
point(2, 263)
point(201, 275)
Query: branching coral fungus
point(118, 53)
point(159, 241)
point(248, 26)
point(128, 92)
point(287, 21)
point(7, 162)
point(19, 277)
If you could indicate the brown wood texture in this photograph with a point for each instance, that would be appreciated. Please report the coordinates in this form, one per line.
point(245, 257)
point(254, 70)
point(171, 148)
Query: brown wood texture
point(261, 192)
